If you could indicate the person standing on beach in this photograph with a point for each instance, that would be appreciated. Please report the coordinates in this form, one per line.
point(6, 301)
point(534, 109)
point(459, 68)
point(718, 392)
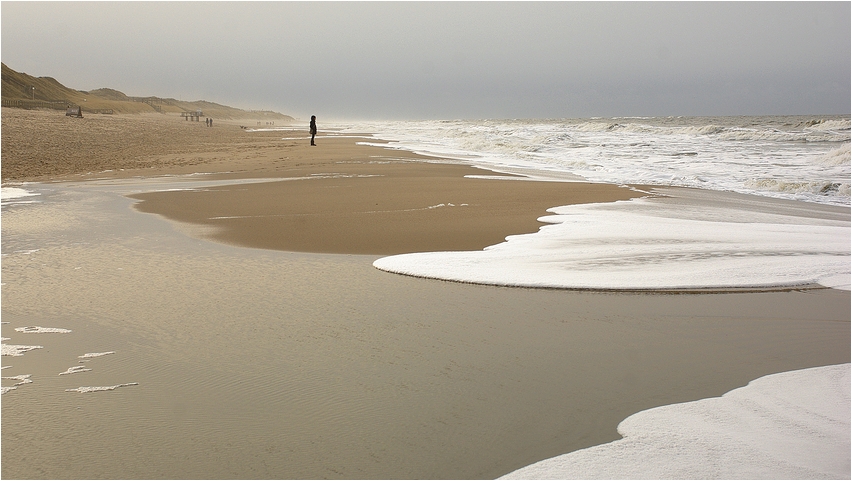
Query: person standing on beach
point(313, 128)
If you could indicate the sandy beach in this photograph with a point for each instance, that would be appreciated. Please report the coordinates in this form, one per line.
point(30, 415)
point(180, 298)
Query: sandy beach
point(252, 338)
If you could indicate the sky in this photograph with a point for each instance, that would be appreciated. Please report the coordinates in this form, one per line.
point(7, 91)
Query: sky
point(447, 60)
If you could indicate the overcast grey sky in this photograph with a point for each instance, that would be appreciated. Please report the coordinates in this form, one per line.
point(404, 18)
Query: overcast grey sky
point(447, 60)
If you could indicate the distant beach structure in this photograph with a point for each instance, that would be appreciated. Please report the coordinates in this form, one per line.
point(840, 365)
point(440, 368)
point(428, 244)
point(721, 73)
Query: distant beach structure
point(74, 112)
point(196, 116)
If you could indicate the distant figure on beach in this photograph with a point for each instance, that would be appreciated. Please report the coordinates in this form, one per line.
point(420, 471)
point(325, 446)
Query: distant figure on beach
point(313, 128)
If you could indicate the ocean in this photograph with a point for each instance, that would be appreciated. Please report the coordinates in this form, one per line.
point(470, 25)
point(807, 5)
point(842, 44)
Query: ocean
point(773, 209)
point(790, 157)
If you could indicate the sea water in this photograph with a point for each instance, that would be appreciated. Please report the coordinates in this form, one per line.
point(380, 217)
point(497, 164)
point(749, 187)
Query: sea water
point(791, 157)
point(670, 240)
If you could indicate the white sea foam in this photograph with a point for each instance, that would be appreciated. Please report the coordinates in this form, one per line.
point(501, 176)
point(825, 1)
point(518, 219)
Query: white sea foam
point(792, 425)
point(16, 196)
point(11, 194)
point(828, 124)
point(633, 245)
point(721, 153)
point(839, 156)
point(42, 330)
point(26, 252)
point(23, 378)
point(651, 244)
point(85, 389)
point(806, 188)
point(90, 355)
point(74, 370)
point(17, 350)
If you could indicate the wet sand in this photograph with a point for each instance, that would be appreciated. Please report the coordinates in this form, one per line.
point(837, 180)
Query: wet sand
point(258, 363)
point(374, 208)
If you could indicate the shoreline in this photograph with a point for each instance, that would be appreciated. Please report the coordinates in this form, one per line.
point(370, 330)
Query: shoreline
point(337, 197)
point(349, 197)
